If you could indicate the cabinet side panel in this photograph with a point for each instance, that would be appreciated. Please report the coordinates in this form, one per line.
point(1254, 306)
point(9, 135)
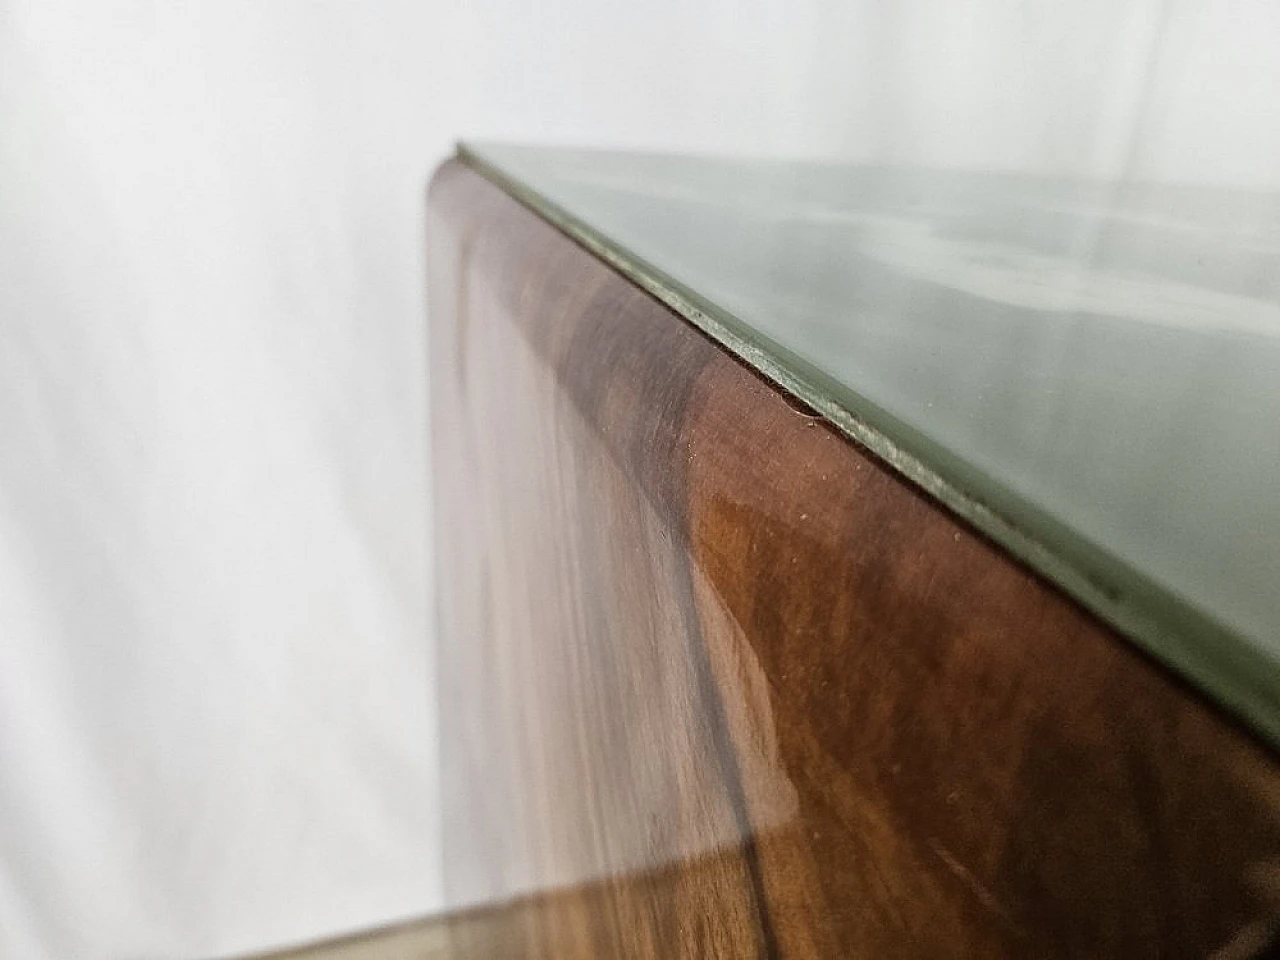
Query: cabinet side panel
point(716, 682)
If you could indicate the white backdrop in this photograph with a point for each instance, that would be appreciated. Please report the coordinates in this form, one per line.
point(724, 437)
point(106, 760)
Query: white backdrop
point(217, 730)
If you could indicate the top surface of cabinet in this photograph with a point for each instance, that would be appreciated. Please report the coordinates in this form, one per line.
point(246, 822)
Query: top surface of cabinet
point(1089, 372)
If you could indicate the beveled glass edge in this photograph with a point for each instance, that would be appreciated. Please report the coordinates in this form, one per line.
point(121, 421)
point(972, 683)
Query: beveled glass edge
point(1226, 665)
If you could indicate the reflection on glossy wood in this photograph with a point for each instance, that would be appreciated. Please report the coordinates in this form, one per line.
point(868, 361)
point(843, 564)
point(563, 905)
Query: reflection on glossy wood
point(424, 940)
point(715, 682)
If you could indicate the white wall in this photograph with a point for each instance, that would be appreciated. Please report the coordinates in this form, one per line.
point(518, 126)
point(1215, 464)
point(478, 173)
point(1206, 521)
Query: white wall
point(216, 724)
point(1149, 89)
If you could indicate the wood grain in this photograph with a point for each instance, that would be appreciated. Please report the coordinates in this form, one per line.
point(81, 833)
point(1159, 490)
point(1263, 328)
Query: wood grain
point(715, 682)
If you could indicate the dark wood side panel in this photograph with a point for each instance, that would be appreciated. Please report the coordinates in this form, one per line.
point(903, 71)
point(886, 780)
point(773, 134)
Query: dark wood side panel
point(715, 682)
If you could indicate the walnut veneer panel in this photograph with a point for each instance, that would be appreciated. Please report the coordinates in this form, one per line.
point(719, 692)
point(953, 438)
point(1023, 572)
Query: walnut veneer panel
point(716, 682)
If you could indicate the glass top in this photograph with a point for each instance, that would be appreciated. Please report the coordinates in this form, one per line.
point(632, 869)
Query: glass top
point(1089, 372)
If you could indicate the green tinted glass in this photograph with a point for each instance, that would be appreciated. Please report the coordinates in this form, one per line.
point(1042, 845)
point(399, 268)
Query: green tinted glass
point(1089, 372)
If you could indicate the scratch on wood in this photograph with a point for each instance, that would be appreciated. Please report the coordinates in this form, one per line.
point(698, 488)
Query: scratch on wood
point(971, 882)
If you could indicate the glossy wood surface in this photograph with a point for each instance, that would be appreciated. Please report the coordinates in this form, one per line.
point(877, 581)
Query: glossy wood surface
point(716, 682)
